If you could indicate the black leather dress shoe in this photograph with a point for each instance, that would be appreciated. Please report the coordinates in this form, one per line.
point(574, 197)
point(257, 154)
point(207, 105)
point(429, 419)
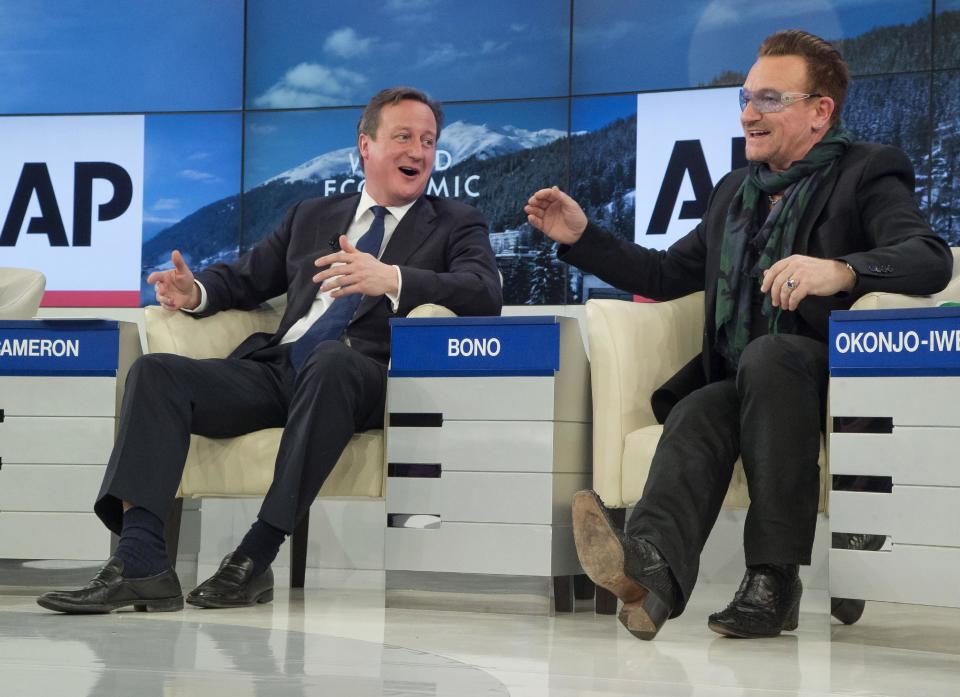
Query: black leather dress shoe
point(630, 568)
point(109, 591)
point(849, 610)
point(234, 585)
point(767, 603)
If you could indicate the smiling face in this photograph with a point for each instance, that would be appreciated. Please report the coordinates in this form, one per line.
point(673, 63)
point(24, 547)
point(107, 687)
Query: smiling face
point(398, 162)
point(781, 138)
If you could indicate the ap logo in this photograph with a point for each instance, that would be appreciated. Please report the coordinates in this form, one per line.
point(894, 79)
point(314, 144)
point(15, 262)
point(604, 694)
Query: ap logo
point(686, 141)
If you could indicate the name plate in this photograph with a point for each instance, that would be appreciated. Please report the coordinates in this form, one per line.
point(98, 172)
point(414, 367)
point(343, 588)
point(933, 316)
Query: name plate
point(917, 342)
point(59, 347)
point(474, 346)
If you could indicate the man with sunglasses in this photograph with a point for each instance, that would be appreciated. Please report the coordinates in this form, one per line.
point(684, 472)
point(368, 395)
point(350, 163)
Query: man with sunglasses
point(815, 221)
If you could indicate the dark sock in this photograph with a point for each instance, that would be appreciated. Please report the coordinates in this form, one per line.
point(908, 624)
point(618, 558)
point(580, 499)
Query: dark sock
point(262, 544)
point(142, 547)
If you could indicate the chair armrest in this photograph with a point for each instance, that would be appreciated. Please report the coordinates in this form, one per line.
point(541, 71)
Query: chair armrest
point(892, 301)
point(634, 349)
point(210, 337)
point(431, 310)
point(21, 291)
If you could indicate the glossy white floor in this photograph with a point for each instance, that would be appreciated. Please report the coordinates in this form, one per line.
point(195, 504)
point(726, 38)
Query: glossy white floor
point(336, 638)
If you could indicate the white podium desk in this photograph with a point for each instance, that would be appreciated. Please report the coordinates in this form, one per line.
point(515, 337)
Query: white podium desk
point(489, 437)
point(61, 382)
point(895, 461)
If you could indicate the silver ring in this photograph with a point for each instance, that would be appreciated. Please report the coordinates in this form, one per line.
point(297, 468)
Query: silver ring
point(792, 283)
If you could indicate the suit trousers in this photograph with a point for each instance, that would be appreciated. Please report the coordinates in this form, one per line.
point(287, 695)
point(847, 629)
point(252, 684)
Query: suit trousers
point(771, 414)
point(337, 393)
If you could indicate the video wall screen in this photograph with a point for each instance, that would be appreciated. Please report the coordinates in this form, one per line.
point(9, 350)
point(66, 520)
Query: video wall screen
point(132, 129)
point(317, 54)
point(947, 35)
point(191, 190)
point(617, 48)
point(78, 56)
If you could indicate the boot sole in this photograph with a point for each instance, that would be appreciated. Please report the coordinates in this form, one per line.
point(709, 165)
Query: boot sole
point(154, 605)
point(213, 604)
point(601, 555)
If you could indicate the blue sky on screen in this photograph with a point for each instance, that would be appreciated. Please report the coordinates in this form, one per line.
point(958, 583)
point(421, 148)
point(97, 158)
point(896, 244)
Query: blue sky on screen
point(278, 141)
point(307, 54)
point(532, 116)
point(673, 45)
point(593, 113)
point(190, 160)
point(64, 56)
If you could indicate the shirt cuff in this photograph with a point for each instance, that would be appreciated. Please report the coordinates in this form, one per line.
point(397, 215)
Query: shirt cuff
point(395, 297)
point(203, 300)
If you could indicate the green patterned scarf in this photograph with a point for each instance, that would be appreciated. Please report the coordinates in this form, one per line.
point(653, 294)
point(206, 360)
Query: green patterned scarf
point(753, 241)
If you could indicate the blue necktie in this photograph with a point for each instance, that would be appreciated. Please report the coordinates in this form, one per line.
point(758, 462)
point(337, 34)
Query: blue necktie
point(331, 324)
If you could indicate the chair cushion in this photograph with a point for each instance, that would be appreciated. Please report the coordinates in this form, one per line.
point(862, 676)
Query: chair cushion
point(638, 449)
point(243, 466)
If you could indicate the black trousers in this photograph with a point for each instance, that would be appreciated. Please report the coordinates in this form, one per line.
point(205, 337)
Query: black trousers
point(771, 414)
point(337, 393)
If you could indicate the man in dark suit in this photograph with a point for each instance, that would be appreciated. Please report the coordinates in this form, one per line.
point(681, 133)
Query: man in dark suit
point(814, 222)
point(347, 264)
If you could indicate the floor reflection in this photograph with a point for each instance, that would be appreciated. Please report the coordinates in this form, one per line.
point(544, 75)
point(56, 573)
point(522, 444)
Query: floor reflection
point(128, 654)
point(339, 640)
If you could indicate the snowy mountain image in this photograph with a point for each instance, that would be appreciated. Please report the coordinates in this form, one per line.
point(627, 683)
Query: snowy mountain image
point(465, 140)
point(342, 161)
point(459, 141)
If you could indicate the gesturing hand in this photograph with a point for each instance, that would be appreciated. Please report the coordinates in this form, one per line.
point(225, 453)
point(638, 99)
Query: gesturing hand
point(354, 272)
point(792, 279)
point(174, 287)
point(557, 215)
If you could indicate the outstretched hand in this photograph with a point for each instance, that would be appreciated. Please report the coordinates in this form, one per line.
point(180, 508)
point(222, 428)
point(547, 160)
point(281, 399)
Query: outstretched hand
point(174, 287)
point(557, 215)
point(352, 272)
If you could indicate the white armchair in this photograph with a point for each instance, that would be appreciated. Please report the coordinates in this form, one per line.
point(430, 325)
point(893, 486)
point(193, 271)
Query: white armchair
point(243, 466)
point(634, 349)
point(21, 291)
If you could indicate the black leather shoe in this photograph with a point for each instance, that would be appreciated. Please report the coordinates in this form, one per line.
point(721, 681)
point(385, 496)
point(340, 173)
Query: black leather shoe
point(234, 585)
point(846, 610)
point(630, 568)
point(767, 603)
point(109, 591)
point(849, 610)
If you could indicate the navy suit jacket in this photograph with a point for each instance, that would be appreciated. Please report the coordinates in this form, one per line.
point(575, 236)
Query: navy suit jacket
point(441, 246)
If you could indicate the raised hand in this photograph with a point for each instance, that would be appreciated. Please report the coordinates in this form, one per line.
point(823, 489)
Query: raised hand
point(557, 215)
point(174, 287)
point(354, 272)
